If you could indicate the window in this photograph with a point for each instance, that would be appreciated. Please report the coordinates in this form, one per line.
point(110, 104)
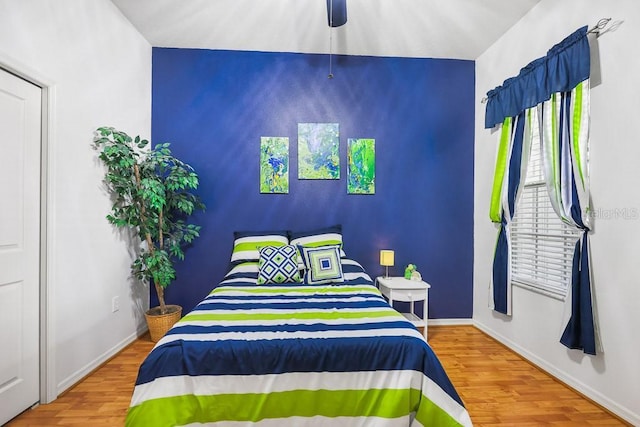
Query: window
point(541, 244)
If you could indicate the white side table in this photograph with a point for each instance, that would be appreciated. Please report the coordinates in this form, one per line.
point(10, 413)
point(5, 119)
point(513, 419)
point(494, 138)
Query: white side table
point(412, 291)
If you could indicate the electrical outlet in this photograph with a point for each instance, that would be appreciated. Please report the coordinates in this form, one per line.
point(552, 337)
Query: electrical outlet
point(115, 304)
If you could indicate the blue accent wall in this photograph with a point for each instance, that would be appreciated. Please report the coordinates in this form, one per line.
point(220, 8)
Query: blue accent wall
point(213, 106)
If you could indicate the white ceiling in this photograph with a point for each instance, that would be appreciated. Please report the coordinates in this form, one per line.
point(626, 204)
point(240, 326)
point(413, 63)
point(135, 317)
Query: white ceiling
point(457, 29)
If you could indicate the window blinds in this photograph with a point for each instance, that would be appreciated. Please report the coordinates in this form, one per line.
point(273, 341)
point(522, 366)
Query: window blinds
point(542, 245)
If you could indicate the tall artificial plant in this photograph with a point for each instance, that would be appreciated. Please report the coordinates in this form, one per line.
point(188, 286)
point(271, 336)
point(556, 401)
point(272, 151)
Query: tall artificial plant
point(154, 195)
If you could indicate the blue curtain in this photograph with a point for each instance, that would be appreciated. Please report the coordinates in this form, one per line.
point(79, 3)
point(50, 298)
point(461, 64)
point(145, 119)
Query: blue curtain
point(558, 85)
point(514, 152)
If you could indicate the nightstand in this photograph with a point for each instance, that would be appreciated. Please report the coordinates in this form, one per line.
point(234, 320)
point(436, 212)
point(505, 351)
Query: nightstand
point(412, 291)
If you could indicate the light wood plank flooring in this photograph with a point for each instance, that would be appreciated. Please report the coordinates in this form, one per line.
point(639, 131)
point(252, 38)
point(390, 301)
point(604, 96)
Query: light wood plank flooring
point(498, 387)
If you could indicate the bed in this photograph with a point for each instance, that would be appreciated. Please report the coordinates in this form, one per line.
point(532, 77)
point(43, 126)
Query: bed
point(294, 353)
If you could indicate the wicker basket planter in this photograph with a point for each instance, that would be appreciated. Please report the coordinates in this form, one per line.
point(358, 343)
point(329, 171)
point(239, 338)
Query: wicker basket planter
point(160, 323)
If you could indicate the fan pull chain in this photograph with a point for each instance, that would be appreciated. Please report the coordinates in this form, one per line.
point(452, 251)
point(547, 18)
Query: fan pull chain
point(330, 76)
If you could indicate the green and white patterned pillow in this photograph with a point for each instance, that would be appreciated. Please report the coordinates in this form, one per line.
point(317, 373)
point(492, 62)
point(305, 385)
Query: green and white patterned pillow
point(247, 244)
point(322, 264)
point(278, 265)
point(327, 236)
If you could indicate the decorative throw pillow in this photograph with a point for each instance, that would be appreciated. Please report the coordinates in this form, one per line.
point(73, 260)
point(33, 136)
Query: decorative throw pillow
point(247, 244)
point(322, 264)
point(278, 265)
point(319, 237)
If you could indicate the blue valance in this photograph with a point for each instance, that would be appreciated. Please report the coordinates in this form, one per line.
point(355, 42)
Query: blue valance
point(565, 65)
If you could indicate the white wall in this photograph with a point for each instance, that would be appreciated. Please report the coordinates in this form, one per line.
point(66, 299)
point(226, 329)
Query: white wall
point(100, 68)
point(612, 378)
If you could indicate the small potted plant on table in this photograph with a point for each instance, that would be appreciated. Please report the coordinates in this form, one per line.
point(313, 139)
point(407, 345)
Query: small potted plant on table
point(153, 195)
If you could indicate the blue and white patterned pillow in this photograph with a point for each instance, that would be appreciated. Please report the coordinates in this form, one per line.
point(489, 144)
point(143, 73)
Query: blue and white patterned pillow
point(278, 265)
point(322, 264)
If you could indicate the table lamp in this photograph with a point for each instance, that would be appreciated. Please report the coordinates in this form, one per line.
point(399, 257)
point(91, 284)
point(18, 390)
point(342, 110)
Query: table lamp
point(386, 260)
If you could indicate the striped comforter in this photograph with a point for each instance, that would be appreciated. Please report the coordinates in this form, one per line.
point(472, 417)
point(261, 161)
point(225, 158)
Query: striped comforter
point(327, 355)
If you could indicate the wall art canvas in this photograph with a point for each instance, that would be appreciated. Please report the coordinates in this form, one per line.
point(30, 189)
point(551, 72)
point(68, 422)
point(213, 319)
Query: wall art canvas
point(274, 165)
point(318, 151)
point(361, 166)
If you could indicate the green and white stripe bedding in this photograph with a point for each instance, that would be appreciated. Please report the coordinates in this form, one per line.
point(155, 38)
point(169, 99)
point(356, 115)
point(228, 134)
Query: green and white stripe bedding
point(294, 355)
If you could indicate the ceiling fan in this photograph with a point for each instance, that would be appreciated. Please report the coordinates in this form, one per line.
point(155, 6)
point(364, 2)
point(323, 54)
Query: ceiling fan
point(336, 17)
point(336, 12)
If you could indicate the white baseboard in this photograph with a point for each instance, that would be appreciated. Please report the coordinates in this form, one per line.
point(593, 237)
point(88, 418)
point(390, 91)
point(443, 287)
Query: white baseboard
point(579, 386)
point(83, 372)
point(449, 322)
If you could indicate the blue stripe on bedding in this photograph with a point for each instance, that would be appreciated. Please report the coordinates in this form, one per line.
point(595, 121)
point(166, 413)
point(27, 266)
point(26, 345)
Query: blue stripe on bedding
point(287, 297)
point(315, 327)
point(235, 357)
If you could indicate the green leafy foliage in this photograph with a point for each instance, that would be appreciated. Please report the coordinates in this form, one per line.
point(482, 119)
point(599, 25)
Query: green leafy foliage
point(153, 194)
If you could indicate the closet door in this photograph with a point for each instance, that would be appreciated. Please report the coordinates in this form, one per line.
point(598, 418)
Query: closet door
point(20, 110)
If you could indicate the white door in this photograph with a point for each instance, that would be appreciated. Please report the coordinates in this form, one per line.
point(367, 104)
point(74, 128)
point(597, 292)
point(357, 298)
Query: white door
point(20, 106)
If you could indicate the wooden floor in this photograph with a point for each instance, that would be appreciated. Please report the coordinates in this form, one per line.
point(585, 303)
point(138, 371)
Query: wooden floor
point(498, 387)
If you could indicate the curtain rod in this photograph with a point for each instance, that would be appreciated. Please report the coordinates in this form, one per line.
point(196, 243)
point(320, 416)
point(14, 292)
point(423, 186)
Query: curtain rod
point(596, 29)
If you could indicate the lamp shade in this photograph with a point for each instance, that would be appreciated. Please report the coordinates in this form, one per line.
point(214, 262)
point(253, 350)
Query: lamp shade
point(386, 257)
